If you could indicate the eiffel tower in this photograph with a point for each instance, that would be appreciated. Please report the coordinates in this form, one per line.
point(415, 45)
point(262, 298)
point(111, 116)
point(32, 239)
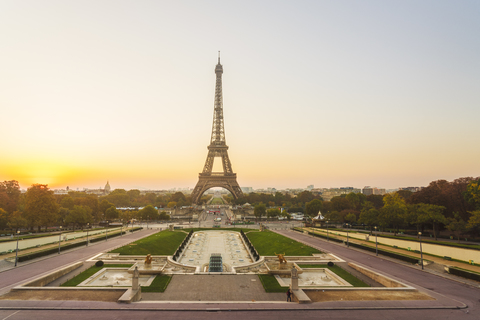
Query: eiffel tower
point(217, 148)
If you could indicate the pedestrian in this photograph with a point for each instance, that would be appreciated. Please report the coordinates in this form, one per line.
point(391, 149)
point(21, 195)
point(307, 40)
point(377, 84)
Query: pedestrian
point(289, 295)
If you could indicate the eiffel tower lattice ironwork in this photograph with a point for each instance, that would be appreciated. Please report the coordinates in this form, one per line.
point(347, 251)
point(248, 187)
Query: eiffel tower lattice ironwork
point(217, 148)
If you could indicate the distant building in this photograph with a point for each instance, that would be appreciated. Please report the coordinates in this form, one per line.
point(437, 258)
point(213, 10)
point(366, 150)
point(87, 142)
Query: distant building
point(411, 189)
point(328, 194)
point(310, 187)
point(107, 188)
point(99, 192)
point(247, 189)
point(373, 190)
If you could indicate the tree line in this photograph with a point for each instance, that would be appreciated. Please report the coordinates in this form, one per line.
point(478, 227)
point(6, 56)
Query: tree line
point(40, 208)
point(454, 206)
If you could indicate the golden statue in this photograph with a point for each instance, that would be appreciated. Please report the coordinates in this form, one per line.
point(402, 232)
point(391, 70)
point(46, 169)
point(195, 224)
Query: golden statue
point(148, 259)
point(281, 258)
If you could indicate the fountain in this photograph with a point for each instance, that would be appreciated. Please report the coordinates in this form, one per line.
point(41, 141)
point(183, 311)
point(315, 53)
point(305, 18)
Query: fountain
point(282, 267)
point(115, 277)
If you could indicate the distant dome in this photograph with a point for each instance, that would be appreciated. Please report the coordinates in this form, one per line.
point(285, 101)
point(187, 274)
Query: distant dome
point(107, 188)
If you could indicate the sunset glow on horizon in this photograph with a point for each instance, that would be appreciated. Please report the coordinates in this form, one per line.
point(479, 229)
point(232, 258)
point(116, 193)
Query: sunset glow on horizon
point(324, 93)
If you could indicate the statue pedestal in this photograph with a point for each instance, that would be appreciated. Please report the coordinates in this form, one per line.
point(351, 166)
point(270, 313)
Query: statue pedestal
point(136, 274)
point(294, 275)
point(294, 284)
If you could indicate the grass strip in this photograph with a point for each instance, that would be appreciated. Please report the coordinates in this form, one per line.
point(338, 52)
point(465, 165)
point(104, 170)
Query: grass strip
point(414, 239)
point(90, 272)
point(270, 283)
point(354, 281)
point(159, 284)
point(268, 243)
point(161, 243)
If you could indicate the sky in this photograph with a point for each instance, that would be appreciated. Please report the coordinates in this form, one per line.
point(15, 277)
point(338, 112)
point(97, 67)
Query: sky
point(330, 93)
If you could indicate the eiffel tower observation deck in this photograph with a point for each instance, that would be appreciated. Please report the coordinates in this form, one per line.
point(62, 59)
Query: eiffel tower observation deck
point(217, 149)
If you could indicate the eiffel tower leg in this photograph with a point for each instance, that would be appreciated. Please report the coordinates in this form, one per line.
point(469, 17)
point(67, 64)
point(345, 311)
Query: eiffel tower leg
point(207, 182)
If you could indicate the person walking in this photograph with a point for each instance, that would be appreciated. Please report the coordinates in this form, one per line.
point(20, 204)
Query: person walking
point(289, 295)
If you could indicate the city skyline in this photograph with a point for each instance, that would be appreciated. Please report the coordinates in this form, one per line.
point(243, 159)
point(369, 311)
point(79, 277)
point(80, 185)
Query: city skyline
point(333, 94)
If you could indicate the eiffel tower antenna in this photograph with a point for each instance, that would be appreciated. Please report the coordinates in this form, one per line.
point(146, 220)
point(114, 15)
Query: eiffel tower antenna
point(217, 149)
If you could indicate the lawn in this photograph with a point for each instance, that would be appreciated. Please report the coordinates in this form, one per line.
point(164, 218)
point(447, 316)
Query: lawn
point(90, 272)
point(270, 283)
point(163, 243)
point(159, 284)
point(354, 281)
point(216, 201)
point(269, 243)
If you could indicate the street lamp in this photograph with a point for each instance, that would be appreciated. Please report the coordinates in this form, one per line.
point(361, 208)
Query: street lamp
point(16, 254)
point(147, 222)
point(376, 243)
point(348, 244)
point(88, 225)
point(106, 231)
point(121, 229)
point(326, 223)
point(421, 252)
point(59, 239)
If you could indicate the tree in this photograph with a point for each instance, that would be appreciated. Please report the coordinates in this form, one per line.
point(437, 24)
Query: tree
point(90, 201)
point(474, 222)
point(472, 194)
point(376, 199)
point(432, 214)
point(119, 198)
point(351, 218)
point(305, 196)
point(450, 195)
point(79, 215)
point(356, 200)
point(369, 215)
point(171, 204)
point(177, 196)
point(340, 203)
point(40, 206)
point(149, 212)
point(111, 213)
point(17, 221)
point(104, 205)
point(133, 195)
point(67, 202)
point(457, 225)
point(62, 215)
point(405, 194)
point(393, 211)
point(259, 210)
point(164, 216)
point(273, 212)
point(4, 218)
point(9, 195)
point(313, 207)
point(334, 216)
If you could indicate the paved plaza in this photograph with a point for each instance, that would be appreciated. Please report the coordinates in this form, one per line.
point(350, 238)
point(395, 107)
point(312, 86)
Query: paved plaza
point(237, 296)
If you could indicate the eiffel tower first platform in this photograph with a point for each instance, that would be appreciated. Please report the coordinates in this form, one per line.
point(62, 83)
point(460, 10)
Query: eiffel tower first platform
point(217, 148)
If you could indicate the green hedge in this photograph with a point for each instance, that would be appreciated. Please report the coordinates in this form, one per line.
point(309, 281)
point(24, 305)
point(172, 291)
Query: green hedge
point(42, 253)
point(364, 247)
point(464, 273)
point(395, 255)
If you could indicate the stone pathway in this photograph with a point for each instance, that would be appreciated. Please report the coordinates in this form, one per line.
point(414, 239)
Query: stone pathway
point(214, 288)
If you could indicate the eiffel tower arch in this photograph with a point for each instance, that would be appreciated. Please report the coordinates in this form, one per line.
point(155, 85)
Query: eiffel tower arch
point(217, 149)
